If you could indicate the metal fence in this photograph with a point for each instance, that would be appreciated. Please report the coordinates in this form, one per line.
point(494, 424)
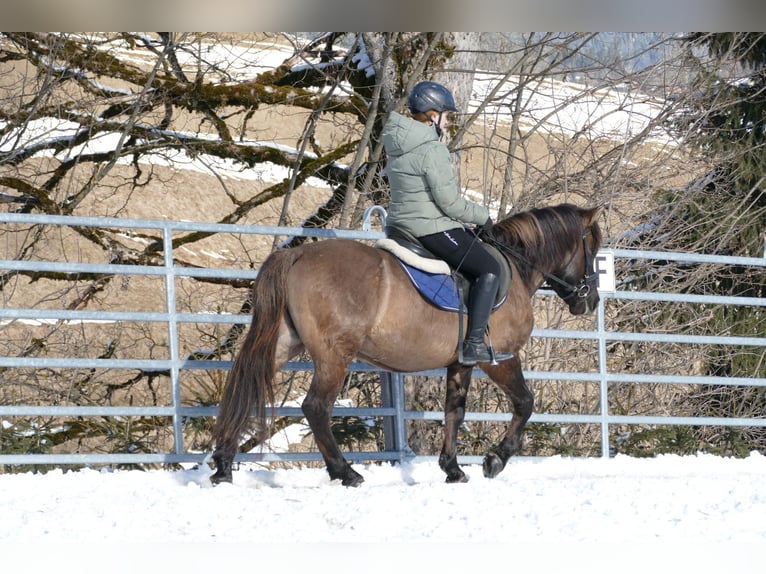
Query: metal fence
point(393, 411)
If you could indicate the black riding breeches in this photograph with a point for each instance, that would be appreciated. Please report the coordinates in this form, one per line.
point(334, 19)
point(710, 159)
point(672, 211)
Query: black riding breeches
point(462, 251)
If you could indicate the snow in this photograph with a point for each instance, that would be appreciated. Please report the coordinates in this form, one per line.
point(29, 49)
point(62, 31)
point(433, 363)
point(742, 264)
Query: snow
point(240, 62)
point(698, 513)
point(694, 513)
point(560, 107)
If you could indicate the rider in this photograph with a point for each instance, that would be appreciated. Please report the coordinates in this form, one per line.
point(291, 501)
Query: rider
point(426, 201)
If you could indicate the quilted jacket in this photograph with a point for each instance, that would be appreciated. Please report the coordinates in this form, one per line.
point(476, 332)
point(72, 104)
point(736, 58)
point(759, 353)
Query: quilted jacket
point(425, 196)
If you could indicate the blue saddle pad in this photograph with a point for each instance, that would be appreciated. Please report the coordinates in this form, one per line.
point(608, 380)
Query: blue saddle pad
point(437, 288)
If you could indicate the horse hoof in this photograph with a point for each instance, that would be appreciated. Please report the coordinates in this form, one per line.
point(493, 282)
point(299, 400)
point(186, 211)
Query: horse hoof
point(352, 479)
point(347, 476)
point(457, 477)
point(493, 465)
point(223, 464)
point(220, 477)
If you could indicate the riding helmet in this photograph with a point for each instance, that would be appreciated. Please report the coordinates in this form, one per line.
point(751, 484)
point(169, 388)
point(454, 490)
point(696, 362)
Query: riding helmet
point(430, 96)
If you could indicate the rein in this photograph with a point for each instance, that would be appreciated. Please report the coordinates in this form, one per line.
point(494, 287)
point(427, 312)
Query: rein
point(583, 286)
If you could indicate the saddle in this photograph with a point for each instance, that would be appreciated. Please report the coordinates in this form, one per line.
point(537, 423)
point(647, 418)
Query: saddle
point(436, 281)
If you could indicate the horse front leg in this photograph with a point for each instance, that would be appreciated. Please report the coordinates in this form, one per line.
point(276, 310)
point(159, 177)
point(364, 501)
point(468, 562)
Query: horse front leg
point(458, 381)
point(509, 377)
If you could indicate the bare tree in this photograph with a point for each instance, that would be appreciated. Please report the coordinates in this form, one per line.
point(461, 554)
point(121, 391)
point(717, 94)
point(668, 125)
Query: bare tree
point(190, 125)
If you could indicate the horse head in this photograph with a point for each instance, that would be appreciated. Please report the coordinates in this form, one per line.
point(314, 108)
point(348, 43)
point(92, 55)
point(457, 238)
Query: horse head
point(557, 245)
point(576, 281)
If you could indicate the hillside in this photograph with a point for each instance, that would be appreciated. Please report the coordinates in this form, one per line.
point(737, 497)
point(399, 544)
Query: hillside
point(573, 143)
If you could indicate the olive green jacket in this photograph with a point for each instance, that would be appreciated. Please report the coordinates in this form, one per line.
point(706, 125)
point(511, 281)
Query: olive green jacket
point(425, 196)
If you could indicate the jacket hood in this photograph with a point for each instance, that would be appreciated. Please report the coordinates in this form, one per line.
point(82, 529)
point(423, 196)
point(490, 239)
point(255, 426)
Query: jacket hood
point(402, 134)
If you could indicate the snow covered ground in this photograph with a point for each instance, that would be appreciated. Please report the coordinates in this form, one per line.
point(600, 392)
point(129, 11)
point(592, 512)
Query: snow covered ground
point(685, 514)
point(671, 513)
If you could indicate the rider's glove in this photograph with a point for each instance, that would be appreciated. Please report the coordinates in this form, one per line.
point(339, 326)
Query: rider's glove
point(481, 230)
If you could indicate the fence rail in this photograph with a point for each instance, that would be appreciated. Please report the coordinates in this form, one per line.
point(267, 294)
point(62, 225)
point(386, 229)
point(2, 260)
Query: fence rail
point(393, 411)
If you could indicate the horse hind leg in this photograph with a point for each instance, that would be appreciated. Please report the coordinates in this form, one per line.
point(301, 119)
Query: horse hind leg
point(224, 461)
point(458, 382)
point(288, 345)
point(508, 376)
point(317, 406)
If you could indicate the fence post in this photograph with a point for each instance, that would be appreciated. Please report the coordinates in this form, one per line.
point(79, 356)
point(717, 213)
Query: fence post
point(170, 293)
point(603, 384)
point(394, 427)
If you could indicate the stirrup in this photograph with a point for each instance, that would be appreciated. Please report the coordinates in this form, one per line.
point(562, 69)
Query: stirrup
point(481, 353)
point(496, 358)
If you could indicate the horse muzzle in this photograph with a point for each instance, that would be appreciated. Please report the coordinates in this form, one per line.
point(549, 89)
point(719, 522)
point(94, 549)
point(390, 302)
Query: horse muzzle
point(584, 298)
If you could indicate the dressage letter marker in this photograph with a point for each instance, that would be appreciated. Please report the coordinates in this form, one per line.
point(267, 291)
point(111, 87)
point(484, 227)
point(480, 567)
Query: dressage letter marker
point(604, 268)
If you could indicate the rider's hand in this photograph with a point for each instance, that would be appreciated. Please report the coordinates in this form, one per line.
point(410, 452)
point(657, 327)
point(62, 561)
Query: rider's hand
point(481, 230)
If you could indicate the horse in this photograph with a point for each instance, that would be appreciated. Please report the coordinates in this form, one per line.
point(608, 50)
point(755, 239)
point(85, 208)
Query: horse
point(341, 299)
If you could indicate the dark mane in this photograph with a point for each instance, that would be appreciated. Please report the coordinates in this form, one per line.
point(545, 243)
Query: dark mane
point(539, 237)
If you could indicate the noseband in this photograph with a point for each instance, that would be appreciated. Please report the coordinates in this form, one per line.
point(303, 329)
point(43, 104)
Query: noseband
point(588, 281)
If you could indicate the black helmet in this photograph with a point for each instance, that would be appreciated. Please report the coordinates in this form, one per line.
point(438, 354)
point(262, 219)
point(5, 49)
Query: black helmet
point(430, 96)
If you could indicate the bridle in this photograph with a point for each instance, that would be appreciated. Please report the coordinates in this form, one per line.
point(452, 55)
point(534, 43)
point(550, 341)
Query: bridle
point(570, 291)
point(588, 281)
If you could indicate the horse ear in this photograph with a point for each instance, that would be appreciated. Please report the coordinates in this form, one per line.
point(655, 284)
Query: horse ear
point(591, 215)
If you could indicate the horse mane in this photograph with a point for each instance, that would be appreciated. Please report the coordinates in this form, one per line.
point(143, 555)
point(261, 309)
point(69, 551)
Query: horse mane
point(540, 237)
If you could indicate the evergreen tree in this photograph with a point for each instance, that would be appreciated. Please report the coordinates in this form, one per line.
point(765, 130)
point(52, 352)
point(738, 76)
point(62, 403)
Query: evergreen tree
point(724, 212)
point(728, 126)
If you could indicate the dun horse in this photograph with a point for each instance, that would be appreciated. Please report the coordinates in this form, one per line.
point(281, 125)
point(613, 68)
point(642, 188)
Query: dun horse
point(340, 299)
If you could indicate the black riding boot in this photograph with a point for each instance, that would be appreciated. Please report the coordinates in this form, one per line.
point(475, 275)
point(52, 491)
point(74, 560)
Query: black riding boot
point(480, 302)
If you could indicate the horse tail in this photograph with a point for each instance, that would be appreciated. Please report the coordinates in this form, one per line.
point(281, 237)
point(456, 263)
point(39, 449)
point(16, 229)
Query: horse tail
point(249, 384)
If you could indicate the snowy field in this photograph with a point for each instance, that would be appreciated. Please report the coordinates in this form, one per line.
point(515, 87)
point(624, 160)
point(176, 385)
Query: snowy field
point(668, 514)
